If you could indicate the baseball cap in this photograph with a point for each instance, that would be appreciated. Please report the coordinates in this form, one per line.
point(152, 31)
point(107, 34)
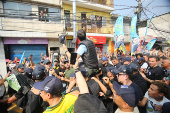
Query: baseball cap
point(141, 59)
point(126, 92)
point(50, 84)
point(47, 61)
point(104, 59)
point(84, 72)
point(20, 66)
point(134, 66)
point(42, 61)
point(166, 108)
point(113, 70)
point(62, 39)
point(55, 60)
point(125, 69)
point(38, 72)
point(65, 61)
point(28, 72)
point(126, 59)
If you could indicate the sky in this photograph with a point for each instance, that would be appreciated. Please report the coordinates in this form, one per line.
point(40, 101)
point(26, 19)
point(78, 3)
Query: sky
point(155, 6)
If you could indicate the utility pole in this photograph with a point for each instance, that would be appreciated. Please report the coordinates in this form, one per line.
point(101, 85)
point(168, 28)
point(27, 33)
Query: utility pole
point(74, 22)
point(138, 11)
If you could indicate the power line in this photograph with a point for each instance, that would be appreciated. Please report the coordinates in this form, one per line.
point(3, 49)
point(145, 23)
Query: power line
point(154, 25)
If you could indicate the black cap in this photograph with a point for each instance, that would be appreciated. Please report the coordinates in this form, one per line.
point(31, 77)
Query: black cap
point(28, 72)
point(125, 69)
point(55, 60)
point(20, 66)
point(38, 72)
point(65, 61)
point(134, 66)
point(62, 39)
point(47, 61)
point(126, 59)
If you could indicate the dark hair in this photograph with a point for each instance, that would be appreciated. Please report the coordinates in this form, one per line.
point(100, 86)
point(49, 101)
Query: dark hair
point(155, 57)
point(113, 58)
point(81, 34)
point(140, 54)
point(162, 88)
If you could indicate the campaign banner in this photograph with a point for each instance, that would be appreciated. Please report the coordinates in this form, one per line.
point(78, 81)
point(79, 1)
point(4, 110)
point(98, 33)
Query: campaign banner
point(13, 82)
point(22, 58)
point(123, 48)
point(149, 46)
point(135, 39)
point(119, 35)
point(169, 40)
point(146, 31)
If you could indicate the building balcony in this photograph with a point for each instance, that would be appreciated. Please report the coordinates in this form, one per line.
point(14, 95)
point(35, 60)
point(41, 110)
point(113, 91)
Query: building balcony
point(104, 29)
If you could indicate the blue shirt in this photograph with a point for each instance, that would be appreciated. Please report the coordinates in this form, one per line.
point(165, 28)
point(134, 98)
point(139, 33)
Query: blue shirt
point(81, 49)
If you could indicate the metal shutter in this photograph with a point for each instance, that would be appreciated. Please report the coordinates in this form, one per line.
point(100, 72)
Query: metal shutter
point(35, 50)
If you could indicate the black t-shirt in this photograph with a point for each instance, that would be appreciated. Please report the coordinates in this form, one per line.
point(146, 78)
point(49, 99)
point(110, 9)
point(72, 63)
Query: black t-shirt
point(34, 103)
point(155, 73)
point(138, 93)
point(140, 81)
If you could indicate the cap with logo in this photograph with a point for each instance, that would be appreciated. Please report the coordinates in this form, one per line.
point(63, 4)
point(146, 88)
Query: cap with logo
point(84, 72)
point(134, 66)
point(65, 61)
point(113, 70)
point(55, 60)
point(125, 69)
point(104, 59)
point(126, 92)
point(62, 39)
point(142, 59)
point(28, 72)
point(126, 59)
point(47, 61)
point(20, 66)
point(51, 85)
point(38, 72)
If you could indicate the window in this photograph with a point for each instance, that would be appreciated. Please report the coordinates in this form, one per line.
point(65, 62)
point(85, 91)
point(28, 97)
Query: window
point(49, 14)
point(17, 10)
point(104, 21)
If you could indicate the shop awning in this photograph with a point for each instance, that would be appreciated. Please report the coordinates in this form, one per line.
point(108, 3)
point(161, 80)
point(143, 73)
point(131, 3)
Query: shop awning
point(96, 39)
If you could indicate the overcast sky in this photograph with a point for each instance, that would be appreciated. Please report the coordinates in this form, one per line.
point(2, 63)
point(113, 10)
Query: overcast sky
point(156, 6)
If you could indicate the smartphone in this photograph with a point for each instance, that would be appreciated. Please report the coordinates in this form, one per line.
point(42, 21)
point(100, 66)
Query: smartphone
point(73, 58)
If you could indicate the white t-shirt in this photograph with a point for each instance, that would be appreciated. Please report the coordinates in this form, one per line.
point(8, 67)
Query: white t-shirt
point(145, 65)
point(134, 111)
point(151, 102)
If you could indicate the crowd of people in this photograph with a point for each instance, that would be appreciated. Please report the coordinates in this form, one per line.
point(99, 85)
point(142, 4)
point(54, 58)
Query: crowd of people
point(96, 83)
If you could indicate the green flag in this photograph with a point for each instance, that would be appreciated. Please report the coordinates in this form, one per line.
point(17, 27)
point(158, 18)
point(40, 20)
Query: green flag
point(13, 82)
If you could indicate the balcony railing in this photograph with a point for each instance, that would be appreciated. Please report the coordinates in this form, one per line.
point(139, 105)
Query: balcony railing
point(105, 29)
point(103, 2)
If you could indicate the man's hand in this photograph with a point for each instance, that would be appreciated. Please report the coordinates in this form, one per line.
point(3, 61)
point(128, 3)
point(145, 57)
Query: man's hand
point(35, 91)
point(51, 52)
point(158, 108)
point(106, 80)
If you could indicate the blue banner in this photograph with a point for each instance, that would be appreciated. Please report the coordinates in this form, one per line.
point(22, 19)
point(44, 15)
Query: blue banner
point(123, 48)
point(169, 40)
point(146, 31)
point(119, 35)
point(135, 39)
point(149, 46)
point(22, 58)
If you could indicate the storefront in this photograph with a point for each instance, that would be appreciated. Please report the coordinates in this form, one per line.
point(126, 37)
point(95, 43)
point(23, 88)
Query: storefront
point(14, 47)
point(97, 40)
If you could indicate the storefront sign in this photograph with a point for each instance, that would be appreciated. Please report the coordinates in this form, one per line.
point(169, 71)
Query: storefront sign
point(95, 39)
point(25, 41)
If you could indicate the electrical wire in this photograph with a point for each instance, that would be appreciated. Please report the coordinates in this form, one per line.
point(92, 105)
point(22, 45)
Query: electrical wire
point(154, 25)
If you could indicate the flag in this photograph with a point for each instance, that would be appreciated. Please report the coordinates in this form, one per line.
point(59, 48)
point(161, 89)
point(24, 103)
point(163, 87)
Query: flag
point(135, 39)
point(119, 35)
point(123, 48)
point(169, 40)
point(149, 46)
point(146, 31)
point(13, 82)
point(22, 58)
